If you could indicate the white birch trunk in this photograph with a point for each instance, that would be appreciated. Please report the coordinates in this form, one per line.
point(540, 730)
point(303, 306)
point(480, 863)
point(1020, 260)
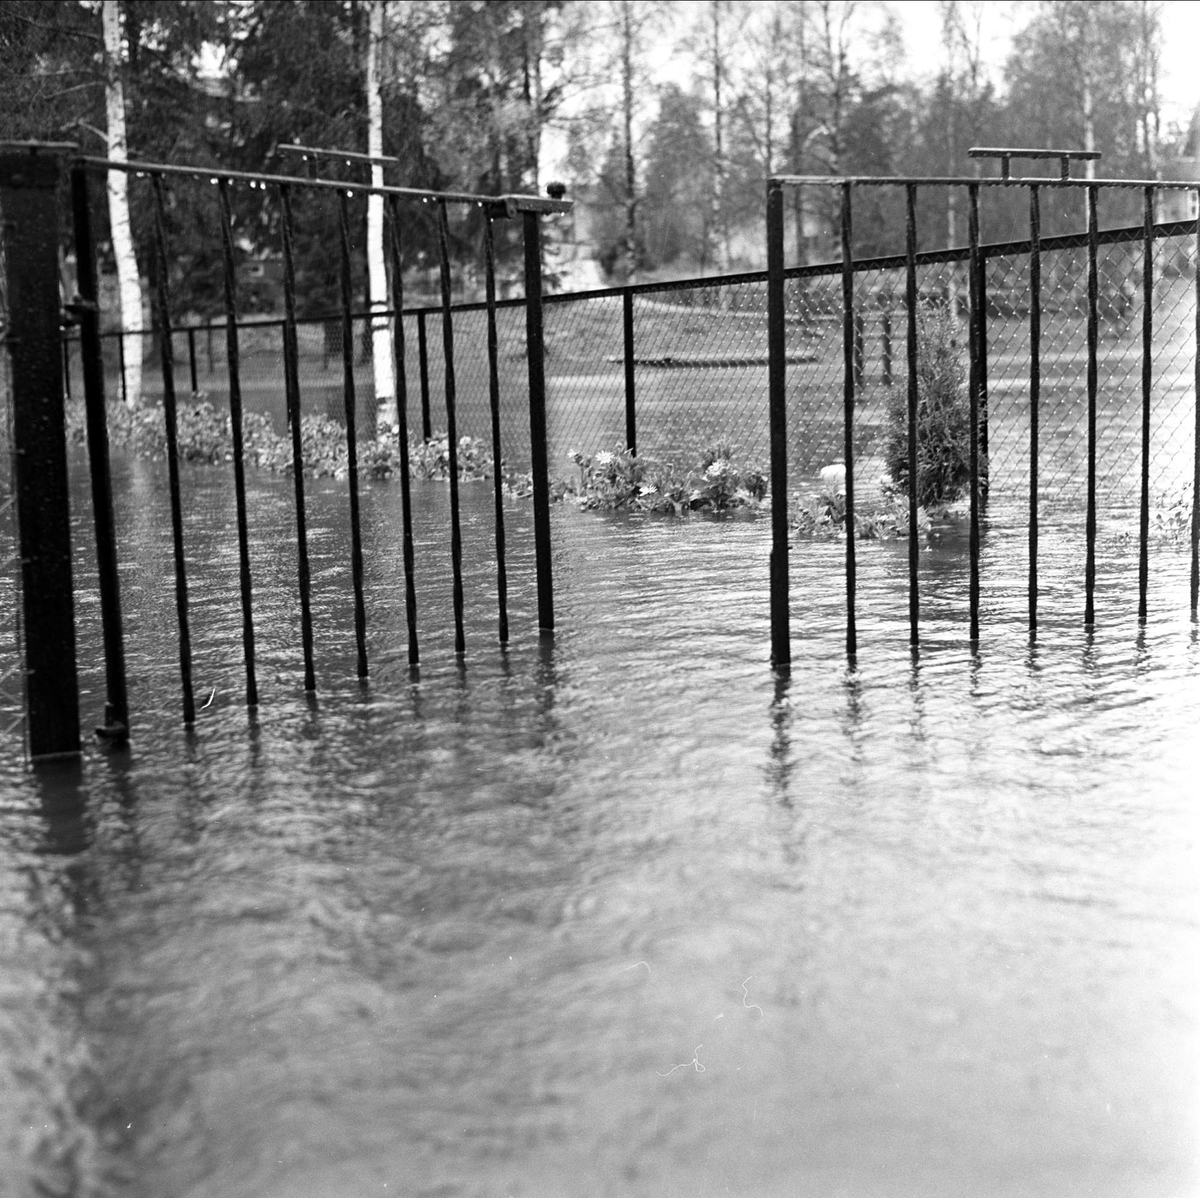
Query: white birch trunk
point(381, 335)
point(128, 283)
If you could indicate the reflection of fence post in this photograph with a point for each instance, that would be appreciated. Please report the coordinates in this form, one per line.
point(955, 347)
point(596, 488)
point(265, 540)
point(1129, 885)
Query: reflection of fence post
point(630, 374)
point(29, 180)
point(116, 707)
point(535, 353)
point(781, 653)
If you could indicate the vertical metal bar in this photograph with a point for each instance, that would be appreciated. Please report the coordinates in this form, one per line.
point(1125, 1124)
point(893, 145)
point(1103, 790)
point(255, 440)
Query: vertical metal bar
point(116, 706)
point(460, 641)
point(535, 352)
point(974, 339)
point(121, 363)
point(982, 350)
point(291, 380)
point(630, 373)
point(849, 338)
point(29, 182)
point(233, 360)
point(410, 590)
point(1195, 579)
point(423, 366)
point(167, 357)
point(886, 321)
point(859, 349)
point(494, 396)
point(1035, 390)
point(781, 650)
point(1093, 336)
point(191, 334)
point(910, 298)
point(351, 410)
point(1147, 382)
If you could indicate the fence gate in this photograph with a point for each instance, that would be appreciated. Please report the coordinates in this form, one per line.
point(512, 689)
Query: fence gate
point(973, 258)
point(32, 177)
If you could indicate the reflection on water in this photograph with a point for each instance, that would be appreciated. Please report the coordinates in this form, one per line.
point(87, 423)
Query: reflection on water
point(620, 913)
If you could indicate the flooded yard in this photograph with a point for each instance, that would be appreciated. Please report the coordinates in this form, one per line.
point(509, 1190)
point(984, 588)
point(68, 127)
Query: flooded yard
point(619, 913)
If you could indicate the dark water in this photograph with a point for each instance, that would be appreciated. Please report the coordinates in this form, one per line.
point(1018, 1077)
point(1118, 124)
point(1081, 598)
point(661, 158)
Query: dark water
point(620, 914)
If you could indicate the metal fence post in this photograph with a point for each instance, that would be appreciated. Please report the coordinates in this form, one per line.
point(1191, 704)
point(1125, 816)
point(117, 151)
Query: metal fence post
point(423, 368)
point(887, 347)
point(116, 707)
point(191, 340)
point(535, 353)
point(852, 372)
point(781, 652)
point(121, 363)
point(630, 373)
point(29, 179)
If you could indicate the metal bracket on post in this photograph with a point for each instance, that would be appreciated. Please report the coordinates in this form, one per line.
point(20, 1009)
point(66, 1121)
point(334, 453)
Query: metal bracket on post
point(30, 175)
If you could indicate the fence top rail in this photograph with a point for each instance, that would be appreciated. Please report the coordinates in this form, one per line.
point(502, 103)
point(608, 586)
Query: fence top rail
point(1005, 152)
point(511, 203)
point(777, 181)
point(988, 250)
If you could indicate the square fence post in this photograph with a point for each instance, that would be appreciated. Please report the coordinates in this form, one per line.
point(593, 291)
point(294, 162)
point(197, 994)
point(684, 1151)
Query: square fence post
point(29, 181)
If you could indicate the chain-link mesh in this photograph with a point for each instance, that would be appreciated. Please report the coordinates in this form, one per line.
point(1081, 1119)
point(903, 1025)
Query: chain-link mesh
point(700, 368)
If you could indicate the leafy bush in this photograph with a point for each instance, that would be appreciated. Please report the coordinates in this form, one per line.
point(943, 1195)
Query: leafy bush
point(617, 479)
point(943, 415)
point(204, 435)
point(824, 517)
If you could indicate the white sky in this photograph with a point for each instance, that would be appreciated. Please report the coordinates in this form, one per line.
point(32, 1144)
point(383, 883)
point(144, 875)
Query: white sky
point(921, 25)
point(1180, 82)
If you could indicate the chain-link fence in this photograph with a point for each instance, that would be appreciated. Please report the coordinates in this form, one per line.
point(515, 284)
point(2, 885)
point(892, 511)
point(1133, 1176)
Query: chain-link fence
point(699, 354)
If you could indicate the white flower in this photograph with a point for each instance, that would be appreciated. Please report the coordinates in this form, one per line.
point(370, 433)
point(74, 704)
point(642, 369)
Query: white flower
point(604, 458)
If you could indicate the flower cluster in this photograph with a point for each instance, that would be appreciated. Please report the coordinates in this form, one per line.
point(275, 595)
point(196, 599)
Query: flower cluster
point(618, 479)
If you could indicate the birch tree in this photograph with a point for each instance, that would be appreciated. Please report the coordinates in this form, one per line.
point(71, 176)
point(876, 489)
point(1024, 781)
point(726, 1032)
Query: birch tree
point(128, 282)
point(381, 353)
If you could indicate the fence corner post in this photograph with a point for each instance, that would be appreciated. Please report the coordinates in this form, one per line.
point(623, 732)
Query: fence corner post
point(116, 707)
point(29, 180)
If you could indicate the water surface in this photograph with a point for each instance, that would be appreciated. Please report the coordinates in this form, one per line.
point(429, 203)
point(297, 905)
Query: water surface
point(621, 913)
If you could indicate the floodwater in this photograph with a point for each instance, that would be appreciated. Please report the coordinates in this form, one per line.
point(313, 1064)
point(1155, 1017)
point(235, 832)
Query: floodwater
point(618, 913)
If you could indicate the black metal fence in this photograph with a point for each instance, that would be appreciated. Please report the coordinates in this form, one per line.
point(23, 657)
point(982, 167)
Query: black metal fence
point(1082, 356)
point(672, 367)
point(1108, 413)
point(30, 185)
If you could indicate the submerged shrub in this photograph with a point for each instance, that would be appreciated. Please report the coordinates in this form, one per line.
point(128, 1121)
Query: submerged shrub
point(943, 415)
point(616, 480)
point(204, 434)
point(823, 517)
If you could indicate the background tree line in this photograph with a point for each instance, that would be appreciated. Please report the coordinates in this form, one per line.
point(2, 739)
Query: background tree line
point(474, 93)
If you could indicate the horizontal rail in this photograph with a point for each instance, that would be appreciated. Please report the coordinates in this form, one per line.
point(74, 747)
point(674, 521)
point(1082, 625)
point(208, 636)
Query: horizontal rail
point(969, 181)
point(512, 203)
point(1004, 152)
point(998, 249)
